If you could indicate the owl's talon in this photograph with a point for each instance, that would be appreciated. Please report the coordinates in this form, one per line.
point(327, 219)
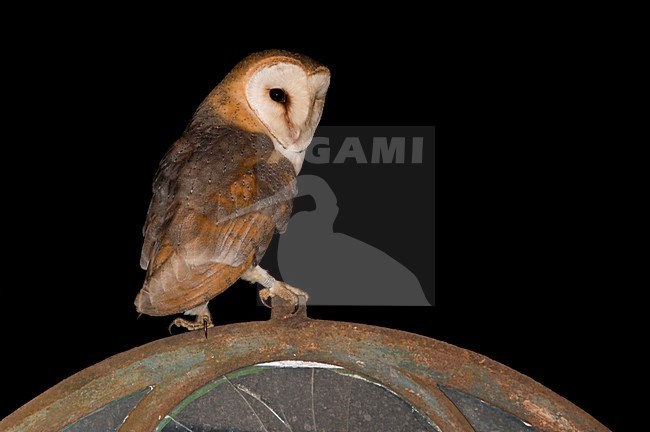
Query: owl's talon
point(292, 295)
point(205, 326)
point(177, 322)
point(265, 294)
point(202, 321)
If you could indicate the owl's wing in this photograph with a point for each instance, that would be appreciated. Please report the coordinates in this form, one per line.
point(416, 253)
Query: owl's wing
point(218, 200)
point(164, 194)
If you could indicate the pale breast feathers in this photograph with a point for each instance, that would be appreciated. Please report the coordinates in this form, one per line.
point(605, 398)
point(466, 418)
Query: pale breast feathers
point(219, 196)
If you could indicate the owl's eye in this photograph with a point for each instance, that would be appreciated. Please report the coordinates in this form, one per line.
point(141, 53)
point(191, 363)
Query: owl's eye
point(278, 95)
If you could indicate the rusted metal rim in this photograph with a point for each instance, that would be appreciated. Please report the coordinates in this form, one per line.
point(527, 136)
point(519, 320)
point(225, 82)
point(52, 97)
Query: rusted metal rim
point(412, 366)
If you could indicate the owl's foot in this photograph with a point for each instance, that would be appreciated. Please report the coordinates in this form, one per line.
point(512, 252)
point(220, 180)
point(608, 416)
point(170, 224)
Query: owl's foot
point(292, 295)
point(203, 321)
point(274, 288)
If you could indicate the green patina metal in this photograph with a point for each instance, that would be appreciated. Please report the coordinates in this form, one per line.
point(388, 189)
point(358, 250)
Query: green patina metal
point(203, 390)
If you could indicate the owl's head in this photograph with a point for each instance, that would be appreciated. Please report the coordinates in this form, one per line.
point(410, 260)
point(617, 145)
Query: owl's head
point(277, 93)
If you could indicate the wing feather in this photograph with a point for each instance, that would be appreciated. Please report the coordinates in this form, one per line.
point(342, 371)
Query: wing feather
point(218, 200)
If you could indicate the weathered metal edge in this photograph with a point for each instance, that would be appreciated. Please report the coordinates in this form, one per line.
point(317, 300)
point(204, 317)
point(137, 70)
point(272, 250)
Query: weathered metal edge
point(409, 364)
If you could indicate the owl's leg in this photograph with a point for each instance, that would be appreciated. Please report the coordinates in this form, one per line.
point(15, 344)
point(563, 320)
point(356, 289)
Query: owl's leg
point(273, 287)
point(203, 319)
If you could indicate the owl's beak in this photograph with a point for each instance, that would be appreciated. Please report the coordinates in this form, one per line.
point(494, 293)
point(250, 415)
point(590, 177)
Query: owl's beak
point(295, 135)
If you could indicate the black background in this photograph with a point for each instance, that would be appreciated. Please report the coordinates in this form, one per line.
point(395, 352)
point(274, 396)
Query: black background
point(93, 111)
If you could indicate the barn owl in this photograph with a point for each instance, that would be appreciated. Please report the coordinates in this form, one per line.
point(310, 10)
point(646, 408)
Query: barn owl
point(226, 187)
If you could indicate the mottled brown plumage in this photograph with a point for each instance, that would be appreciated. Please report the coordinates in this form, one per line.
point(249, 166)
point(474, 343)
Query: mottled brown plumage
point(214, 211)
point(226, 186)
